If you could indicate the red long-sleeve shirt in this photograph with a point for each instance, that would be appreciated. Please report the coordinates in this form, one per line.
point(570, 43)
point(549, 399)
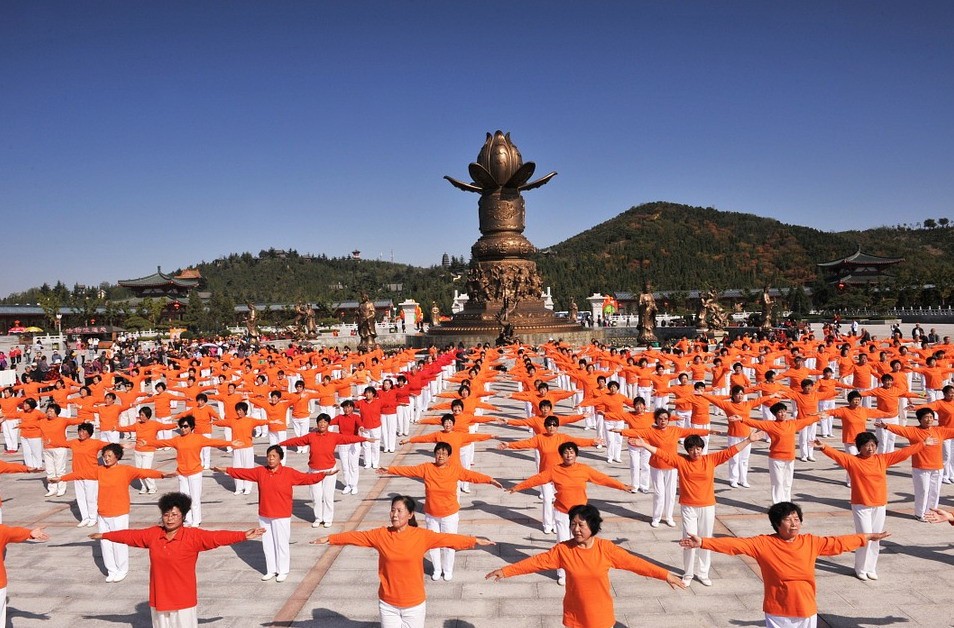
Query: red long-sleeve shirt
point(321, 447)
point(172, 581)
point(275, 488)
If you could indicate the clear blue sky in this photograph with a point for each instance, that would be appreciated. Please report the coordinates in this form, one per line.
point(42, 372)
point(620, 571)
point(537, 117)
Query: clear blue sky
point(134, 134)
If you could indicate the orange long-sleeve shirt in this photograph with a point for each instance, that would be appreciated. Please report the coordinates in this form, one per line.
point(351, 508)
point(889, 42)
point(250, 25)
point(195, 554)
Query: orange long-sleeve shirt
point(788, 567)
point(54, 431)
point(9, 534)
point(401, 558)
point(456, 440)
point(854, 420)
point(697, 477)
point(440, 484)
point(113, 486)
point(570, 482)
point(869, 480)
point(587, 602)
point(86, 454)
point(146, 431)
point(782, 435)
point(549, 446)
point(242, 429)
point(930, 457)
point(189, 450)
point(666, 439)
point(172, 581)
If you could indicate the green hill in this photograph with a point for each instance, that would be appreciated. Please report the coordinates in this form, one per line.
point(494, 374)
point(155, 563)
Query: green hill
point(679, 247)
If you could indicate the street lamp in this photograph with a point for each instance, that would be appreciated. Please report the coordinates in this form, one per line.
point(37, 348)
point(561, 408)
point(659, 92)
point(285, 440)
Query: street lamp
point(59, 324)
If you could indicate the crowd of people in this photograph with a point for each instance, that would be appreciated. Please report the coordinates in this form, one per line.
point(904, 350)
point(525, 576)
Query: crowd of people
point(343, 413)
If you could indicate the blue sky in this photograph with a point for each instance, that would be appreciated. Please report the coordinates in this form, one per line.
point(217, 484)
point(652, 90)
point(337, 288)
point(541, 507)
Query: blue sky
point(134, 134)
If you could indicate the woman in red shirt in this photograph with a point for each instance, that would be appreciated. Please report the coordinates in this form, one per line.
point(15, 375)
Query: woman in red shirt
point(173, 552)
point(401, 548)
point(587, 561)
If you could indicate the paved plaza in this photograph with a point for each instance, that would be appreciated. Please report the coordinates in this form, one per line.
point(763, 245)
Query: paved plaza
point(62, 582)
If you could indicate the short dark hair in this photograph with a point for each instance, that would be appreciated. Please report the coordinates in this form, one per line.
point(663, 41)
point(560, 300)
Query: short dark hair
point(444, 447)
point(146, 411)
point(278, 448)
point(568, 445)
point(589, 514)
point(347, 403)
point(551, 420)
point(854, 394)
point(448, 417)
point(777, 407)
point(86, 427)
point(323, 417)
point(863, 438)
point(116, 448)
point(693, 441)
point(781, 510)
point(188, 420)
point(175, 500)
point(241, 405)
point(922, 412)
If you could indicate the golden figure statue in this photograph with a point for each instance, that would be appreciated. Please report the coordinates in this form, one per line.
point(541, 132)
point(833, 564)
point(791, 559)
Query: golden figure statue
point(251, 321)
point(647, 309)
point(365, 320)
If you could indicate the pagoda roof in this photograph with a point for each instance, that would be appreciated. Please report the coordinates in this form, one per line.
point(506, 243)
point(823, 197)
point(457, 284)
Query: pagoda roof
point(159, 279)
point(861, 259)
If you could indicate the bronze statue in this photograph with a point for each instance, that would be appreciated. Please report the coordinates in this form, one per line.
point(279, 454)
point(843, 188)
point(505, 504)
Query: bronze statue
point(574, 313)
point(435, 314)
point(503, 281)
point(711, 315)
point(647, 309)
point(365, 320)
point(767, 305)
point(251, 321)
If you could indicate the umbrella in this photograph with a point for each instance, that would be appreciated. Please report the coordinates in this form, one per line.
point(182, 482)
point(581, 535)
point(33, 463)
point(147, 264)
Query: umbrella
point(16, 329)
point(33, 330)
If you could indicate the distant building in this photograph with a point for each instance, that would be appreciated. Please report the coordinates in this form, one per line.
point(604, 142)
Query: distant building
point(174, 289)
point(445, 261)
point(859, 269)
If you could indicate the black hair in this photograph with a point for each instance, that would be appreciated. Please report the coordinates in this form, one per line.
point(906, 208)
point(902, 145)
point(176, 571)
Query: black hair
point(410, 504)
point(693, 441)
point(188, 420)
point(175, 500)
point(568, 445)
point(278, 448)
point(781, 510)
point(863, 438)
point(589, 514)
point(86, 427)
point(444, 447)
point(116, 448)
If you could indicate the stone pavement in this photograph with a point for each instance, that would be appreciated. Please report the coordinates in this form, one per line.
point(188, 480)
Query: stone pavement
point(62, 582)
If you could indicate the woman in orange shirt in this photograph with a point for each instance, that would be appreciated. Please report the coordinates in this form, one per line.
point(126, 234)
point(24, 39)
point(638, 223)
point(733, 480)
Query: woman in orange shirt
point(869, 491)
point(587, 561)
point(9, 534)
point(787, 562)
point(401, 548)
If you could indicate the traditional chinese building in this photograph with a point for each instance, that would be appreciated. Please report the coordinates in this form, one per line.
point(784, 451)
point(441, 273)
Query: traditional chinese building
point(172, 289)
point(860, 269)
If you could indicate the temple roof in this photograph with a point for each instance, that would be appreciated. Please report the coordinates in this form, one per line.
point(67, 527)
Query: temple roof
point(159, 279)
point(861, 259)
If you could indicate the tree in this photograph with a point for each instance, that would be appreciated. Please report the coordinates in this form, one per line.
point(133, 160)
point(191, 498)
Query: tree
point(151, 310)
point(943, 222)
point(929, 223)
point(50, 302)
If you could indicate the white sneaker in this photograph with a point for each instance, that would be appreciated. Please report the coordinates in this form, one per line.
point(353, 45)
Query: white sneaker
point(861, 575)
point(326, 524)
point(448, 577)
point(465, 489)
point(247, 491)
point(50, 493)
point(152, 491)
point(872, 575)
point(687, 580)
point(110, 578)
point(282, 577)
point(81, 524)
point(91, 523)
point(120, 577)
point(704, 581)
point(561, 581)
point(267, 577)
point(670, 523)
point(238, 492)
point(734, 484)
point(653, 524)
point(436, 576)
point(316, 524)
point(745, 485)
point(142, 491)
point(811, 458)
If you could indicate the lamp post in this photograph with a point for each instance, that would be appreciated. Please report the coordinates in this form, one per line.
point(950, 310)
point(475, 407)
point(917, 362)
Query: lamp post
point(59, 324)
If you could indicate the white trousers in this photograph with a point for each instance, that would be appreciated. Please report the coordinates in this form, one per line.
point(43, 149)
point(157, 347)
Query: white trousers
point(639, 467)
point(87, 492)
point(739, 463)
point(851, 450)
point(32, 452)
point(781, 474)
point(348, 455)
point(548, 492)
point(614, 440)
point(886, 439)
point(777, 621)
point(274, 437)
point(300, 427)
point(664, 493)
point(467, 459)
point(143, 460)
point(11, 435)
point(115, 555)
point(110, 436)
point(191, 485)
point(275, 542)
point(403, 420)
point(182, 618)
point(389, 423)
point(561, 521)
point(3, 597)
point(947, 450)
point(442, 558)
point(397, 617)
point(700, 521)
point(927, 490)
point(806, 436)
point(243, 458)
point(54, 461)
point(372, 448)
point(868, 519)
point(323, 497)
